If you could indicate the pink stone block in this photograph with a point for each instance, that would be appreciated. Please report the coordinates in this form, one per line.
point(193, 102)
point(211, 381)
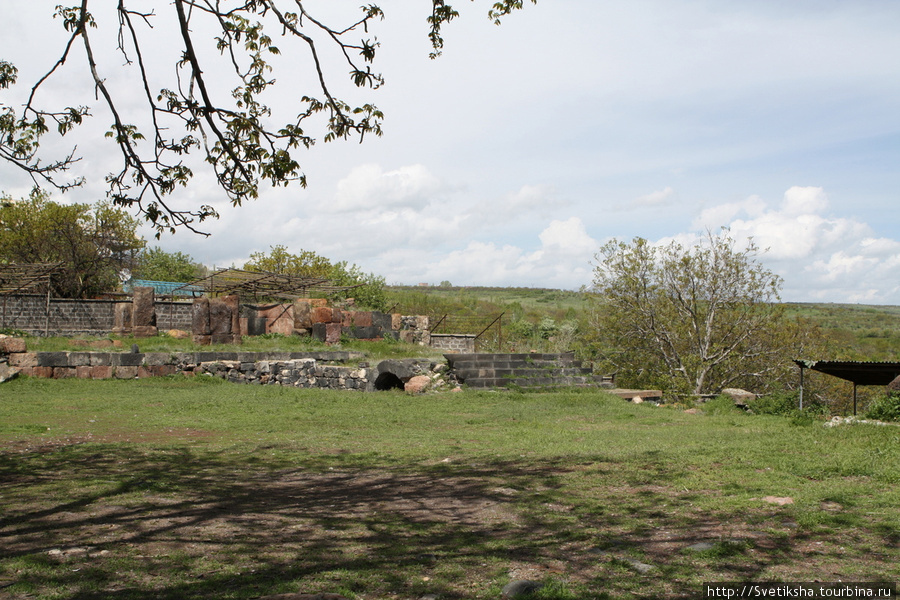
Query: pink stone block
point(11, 345)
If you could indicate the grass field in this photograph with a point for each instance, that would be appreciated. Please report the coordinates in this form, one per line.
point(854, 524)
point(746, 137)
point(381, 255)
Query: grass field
point(193, 488)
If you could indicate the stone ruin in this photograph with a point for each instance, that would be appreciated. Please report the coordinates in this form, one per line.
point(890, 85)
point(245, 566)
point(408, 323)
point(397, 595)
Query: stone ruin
point(225, 320)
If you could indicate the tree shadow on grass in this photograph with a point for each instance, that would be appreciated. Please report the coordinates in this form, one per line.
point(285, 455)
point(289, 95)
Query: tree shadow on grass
point(115, 522)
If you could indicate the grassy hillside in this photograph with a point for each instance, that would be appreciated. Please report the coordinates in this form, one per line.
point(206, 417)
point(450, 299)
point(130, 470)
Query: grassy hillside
point(853, 331)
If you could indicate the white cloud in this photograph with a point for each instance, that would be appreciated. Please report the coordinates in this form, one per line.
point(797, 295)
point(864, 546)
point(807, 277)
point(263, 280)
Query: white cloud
point(368, 187)
point(655, 198)
point(820, 255)
point(567, 237)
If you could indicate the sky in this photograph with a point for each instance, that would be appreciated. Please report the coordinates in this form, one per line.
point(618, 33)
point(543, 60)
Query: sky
point(513, 158)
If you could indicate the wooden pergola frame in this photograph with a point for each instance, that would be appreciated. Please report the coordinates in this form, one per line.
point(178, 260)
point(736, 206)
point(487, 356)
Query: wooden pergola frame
point(263, 284)
point(20, 278)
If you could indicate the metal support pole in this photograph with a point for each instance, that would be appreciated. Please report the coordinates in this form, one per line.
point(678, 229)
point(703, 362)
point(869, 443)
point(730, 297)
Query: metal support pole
point(801, 387)
point(854, 398)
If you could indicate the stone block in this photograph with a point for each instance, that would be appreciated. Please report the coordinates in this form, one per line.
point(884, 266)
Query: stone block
point(122, 318)
point(219, 316)
point(101, 372)
point(53, 359)
point(301, 313)
point(143, 307)
point(46, 372)
point(200, 316)
point(333, 333)
point(79, 359)
point(144, 331)
point(321, 314)
point(396, 322)
point(23, 360)
point(361, 318)
point(126, 359)
point(12, 345)
point(202, 340)
point(125, 372)
point(157, 358)
point(101, 359)
point(233, 302)
point(84, 372)
point(382, 320)
point(225, 338)
point(63, 372)
point(365, 333)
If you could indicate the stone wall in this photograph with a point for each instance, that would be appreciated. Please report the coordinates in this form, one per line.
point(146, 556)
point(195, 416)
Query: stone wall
point(343, 370)
point(454, 342)
point(498, 370)
point(320, 370)
point(65, 317)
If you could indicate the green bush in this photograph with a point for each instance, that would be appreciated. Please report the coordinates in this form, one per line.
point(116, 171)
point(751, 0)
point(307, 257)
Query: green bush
point(777, 403)
point(720, 405)
point(885, 408)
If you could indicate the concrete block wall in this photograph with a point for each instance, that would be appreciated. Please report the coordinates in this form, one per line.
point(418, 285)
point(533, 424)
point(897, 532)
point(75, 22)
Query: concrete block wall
point(66, 317)
point(489, 370)
point(454, 342)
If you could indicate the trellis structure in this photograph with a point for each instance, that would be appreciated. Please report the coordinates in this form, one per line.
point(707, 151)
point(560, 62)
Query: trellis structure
point(22, 278)
point(260, 284)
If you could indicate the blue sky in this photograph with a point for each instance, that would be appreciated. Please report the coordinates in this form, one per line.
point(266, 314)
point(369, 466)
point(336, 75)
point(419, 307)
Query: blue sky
point(515, 156)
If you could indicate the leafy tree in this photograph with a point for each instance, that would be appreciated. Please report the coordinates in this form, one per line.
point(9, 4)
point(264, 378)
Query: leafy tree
point(691, 320)
point(370, 293)
point(158, 265)
point(278, 260)
point(239, 135)
point(94, 243)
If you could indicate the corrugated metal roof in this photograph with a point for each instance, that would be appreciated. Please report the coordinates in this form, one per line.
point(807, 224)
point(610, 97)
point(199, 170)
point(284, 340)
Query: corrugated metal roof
point(859, 372)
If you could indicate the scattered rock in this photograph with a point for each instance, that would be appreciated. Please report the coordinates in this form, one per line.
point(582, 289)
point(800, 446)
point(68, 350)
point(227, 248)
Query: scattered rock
point(417, 384)
point(7, 372)
point(742, 398)
point(521, 588)
point(693, 411)
point(637, 400)
point(778, 500)
point(178, 334)
point(642, 568)
point(835, 421)
point(700, 547)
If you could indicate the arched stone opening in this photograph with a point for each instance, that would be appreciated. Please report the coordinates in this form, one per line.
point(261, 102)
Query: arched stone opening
point(388, 381)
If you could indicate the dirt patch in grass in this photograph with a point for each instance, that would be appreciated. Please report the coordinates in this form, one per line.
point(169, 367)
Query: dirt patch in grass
point(114, 521)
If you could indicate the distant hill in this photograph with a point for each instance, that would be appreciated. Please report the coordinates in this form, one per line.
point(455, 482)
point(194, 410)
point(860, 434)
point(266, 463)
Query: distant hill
point(854, 331)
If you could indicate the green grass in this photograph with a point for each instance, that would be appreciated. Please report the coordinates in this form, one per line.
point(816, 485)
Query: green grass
point(194, 488)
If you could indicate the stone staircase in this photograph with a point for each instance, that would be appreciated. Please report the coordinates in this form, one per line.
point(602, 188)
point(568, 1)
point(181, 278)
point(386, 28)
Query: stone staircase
point(484, 370)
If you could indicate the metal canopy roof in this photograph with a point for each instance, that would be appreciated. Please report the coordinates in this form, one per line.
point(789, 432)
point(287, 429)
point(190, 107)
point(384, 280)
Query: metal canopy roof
point(860, 373)
point(254, 283)
point(19, 278)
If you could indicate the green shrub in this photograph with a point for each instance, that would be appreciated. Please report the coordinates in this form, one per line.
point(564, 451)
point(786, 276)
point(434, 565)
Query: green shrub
point(777, 403)
point(885, 408)
point(720, 405)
